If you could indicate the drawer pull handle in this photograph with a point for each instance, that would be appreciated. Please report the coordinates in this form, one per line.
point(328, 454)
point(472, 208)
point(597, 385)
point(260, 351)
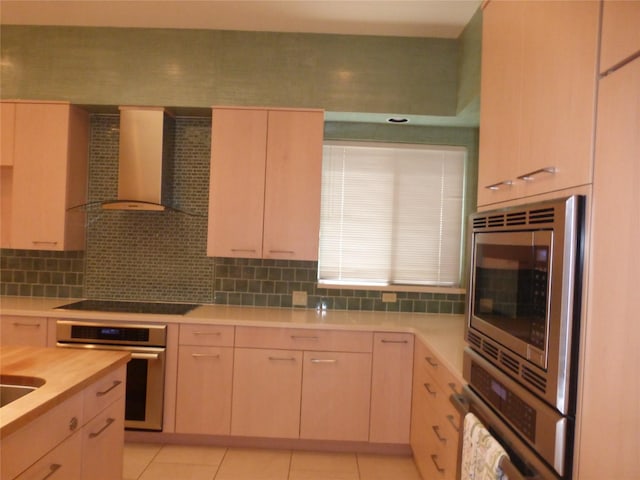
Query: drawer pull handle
point(452, 386)
point(21, 324)
point(217, 334)
point(285, 252)
point(452, 421)
point(434, 459)
point(53, 468)
point(239, 250)
point(394, 341)
point(73, 424)
point(104, 392)
point(304, 337)
point(106, 425)
point(283, 359)
point(324, 360)
point(205, 355)
point(427, 386)
point(436, 430)
point(431, 361)
point(44, 242)
point(529, 177)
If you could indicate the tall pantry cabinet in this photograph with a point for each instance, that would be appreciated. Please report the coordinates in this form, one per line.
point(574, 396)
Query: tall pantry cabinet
point(608, 426)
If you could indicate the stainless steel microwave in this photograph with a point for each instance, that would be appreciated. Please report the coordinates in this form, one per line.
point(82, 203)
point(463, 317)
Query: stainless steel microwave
point(525, 293)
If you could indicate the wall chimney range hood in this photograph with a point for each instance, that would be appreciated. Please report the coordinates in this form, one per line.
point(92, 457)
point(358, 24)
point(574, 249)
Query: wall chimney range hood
point(145, 173)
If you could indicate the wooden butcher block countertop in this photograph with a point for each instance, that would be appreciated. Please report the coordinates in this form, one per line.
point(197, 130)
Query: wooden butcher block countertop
point(64, 372)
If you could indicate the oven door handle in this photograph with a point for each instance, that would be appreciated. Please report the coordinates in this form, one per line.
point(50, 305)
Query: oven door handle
point(468, 402)
point(144, 356)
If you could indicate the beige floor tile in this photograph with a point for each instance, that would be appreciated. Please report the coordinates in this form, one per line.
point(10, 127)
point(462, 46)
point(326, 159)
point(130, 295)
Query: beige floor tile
point(323, 466)
point(190, 454)
point(178, 471)
point(136, 458)
point(386, 467)
point(253, 464)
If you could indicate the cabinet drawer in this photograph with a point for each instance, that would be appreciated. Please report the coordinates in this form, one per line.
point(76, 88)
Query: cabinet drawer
point(17, 330)
point(62, 463)
point(102, 434)
point(104, 392)
point(430, 364)
point(207, 335)
point(19, 449)
point(304, 339)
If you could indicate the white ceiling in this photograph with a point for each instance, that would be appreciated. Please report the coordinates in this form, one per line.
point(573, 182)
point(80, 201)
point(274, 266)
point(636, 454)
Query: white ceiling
point(406, 18)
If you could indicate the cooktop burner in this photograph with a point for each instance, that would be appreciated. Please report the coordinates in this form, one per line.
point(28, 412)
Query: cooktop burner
point(131, 307)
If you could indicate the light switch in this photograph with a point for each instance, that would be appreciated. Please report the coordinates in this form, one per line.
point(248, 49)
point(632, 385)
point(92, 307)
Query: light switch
point(389, 298)
point(299, 299)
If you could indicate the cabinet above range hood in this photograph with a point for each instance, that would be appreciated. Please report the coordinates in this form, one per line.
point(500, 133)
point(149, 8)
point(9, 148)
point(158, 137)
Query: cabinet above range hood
point(145, 173)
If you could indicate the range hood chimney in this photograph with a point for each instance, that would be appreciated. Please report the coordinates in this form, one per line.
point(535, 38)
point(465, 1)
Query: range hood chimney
point(145, 176)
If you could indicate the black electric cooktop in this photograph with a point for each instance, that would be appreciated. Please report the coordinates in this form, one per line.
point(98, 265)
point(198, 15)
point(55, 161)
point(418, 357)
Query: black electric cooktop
point(156, 308)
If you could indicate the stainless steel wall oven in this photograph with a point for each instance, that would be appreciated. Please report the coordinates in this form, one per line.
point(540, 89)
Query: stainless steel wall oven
point(522, 321)
point(145, 371)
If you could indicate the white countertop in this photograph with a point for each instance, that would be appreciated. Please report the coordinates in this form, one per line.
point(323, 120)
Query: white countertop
point(443, 333)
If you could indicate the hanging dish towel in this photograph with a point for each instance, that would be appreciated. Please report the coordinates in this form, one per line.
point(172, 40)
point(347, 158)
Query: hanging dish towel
point(481, 453)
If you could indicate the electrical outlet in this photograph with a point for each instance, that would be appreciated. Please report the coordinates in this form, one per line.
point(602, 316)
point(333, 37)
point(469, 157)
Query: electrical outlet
point(299, 299)
point(389, 298)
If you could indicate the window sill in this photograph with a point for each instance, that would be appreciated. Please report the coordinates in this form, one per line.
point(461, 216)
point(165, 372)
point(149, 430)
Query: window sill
point(393, 288)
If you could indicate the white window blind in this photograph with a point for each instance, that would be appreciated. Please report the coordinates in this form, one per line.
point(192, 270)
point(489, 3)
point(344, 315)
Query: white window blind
point(391, 214)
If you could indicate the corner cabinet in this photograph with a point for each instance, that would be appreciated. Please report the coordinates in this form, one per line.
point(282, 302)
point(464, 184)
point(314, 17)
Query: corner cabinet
point(44, 174)
point(538, 97)
point(264, 191)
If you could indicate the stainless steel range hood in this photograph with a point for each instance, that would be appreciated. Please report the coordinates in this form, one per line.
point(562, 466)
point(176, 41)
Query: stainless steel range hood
point(145, 176)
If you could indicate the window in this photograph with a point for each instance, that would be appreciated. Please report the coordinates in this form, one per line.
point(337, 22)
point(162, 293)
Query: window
point(391, 214)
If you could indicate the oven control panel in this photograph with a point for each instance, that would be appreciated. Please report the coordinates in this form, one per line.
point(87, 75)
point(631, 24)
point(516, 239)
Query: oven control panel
point(512, 407)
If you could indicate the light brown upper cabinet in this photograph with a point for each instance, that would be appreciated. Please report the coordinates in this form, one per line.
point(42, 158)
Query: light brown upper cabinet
point(264, 191)
point(538, 94)
point(7, 132)
point(620, 32)
point(49, 176)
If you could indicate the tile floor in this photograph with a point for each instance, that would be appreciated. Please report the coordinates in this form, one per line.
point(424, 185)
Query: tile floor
point(143, 461)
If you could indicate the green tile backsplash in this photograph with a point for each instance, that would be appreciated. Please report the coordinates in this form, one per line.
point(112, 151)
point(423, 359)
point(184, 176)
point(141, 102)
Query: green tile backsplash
point(161, 256)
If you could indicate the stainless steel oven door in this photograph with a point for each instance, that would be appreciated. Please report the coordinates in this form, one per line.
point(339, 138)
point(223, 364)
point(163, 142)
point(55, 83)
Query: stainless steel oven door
point(144, 397)
point(523, 462)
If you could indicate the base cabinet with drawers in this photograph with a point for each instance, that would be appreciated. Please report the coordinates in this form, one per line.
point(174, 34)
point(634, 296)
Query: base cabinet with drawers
point(80, 439)
point(435, 422)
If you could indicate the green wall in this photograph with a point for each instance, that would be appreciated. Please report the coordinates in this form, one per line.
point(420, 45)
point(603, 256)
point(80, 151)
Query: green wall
point(201, 68)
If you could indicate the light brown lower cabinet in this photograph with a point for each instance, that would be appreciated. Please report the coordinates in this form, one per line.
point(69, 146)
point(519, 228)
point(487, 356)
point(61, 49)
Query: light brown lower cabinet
point(336, 390)
point(266, 393)
point(435, 423)
point(80, 439)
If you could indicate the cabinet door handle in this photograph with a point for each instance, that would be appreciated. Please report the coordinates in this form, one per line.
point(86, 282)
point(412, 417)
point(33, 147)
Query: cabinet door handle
point(283, 359)
point(286, 252)
point(104, 392)
point(531, 176)
point(107, 424)
point(304, 337)
point(324, 360)
point(205, 355)
point(44, 242)
point(427, 386)
point(497, 186)
point(436, 430)
point(53, 468)
point(452, 421)
point(452, 386)
point(21, 324)
point(216, 334)
point(240, 250)
point(384, 340)
point(431, 361)
point(434, 459)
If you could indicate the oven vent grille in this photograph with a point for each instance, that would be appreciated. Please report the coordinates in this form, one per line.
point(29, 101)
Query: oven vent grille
point(510, 362)
point(534, 379)
point(514, 218)
point(474, 339)
point(490, 350)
